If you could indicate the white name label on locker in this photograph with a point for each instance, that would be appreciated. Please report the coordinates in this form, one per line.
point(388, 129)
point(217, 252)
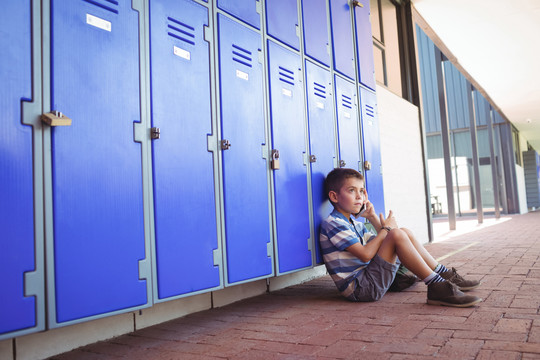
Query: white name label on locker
point(184, 54)
point(347, 115)
point(242, 75)
point(286, 92)
point(98, 22)
point(320, 105)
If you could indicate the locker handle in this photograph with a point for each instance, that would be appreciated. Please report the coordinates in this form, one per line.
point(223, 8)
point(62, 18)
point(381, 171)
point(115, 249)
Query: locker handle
point(342, 163)
point(357, 3)
point(155, 133)
point(274, 163)
point(312, 159)
point(225, 144)
point(55, 118)
point(367, 165)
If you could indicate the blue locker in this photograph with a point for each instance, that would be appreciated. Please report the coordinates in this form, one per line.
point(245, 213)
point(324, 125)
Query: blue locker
point(96, 164)
point(245, 10)
point(183, 173)
point(321, 141)
point(364, 44)
point(342, 38)
point(282, 21)
point(245, 178)
point(347, 124)
point(315, 21)
point(17, 253)
point(372, 149)
point(288, 137)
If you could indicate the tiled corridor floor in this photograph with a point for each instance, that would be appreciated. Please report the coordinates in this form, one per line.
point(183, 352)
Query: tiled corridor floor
point(311, 320)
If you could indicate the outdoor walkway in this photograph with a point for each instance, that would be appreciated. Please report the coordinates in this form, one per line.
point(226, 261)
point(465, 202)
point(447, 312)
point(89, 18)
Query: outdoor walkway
point(311, 321)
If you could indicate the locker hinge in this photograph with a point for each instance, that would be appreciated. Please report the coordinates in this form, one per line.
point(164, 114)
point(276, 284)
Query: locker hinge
point(217, 257)
point(55, 118)
point(208, 34)
point(144, 269)
point(155, 133)
point(258, 7)
point(32, 283)
point(212, 143)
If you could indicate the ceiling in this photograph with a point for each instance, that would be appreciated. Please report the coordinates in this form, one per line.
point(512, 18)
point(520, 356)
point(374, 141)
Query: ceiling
point(497, 42)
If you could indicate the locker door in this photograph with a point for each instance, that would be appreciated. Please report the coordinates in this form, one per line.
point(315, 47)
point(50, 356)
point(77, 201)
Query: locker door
point(322, 141)
point(315, 23)
point(288, 137)
point(245, 174)
point(245, 10)
point(364, 45)
point(183, 167)
point(282, 21)
point(342, 37)
point(16, 174)
point(372, 149)
point(96, 164)
point(347, 122)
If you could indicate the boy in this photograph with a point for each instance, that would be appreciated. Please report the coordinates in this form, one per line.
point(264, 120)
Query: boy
point(363, 265)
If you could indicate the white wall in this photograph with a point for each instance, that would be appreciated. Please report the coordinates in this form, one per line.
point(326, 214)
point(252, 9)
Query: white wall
point(522, 190)
point(403, 172)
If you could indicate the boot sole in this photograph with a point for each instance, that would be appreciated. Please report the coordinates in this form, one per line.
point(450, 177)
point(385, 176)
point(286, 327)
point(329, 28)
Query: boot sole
point(468, 288)
point(444, 303)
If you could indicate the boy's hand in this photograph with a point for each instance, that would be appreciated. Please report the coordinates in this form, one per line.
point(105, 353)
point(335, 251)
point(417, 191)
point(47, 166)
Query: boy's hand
point(390, 221)
point(368, 210)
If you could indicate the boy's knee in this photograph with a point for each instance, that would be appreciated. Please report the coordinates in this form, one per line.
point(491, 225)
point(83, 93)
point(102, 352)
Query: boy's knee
point(398, 234)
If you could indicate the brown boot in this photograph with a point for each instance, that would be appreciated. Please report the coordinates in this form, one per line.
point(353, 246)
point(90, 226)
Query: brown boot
point(462, 284)
point(447, 294)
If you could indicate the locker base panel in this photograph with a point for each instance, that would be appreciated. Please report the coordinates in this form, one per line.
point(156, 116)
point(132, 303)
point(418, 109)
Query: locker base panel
point(52, 342)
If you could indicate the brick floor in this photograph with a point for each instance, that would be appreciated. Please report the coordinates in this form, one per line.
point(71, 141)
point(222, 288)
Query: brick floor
point(311, 320)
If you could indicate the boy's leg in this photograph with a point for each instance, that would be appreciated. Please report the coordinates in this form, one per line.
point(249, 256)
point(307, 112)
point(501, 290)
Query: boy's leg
point(430, 261)
point(398, 244)
point(448, 274)
point(440, 292)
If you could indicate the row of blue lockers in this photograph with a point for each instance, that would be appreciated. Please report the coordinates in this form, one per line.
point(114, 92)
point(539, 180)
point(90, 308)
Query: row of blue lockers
point(151, 150)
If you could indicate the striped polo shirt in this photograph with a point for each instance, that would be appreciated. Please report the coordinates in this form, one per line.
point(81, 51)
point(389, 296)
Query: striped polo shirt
point(337, 234)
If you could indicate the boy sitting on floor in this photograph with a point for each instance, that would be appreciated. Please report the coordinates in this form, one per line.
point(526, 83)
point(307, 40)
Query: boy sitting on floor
point(363, 265)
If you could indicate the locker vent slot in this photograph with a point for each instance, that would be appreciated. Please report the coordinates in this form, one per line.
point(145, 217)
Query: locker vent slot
point(241, 55)
point(287, 76)
point(319, 90)
point(103, 6)
point(180, 31)
point(346, 101)
point(370, 111)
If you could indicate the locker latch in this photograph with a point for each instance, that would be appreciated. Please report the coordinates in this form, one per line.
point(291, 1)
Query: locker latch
point(357, 3)
point(225, 144)
point(274, 164)
point(342, 163)
point(312, 159)
point(155, 133)
point(367, 165)
point(55, 118)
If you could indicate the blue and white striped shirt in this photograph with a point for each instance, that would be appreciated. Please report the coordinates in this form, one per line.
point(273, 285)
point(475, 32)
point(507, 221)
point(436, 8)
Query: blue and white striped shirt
point(337, 234)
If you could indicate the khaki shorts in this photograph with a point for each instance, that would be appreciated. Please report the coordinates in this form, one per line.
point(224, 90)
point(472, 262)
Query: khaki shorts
point(374, 281)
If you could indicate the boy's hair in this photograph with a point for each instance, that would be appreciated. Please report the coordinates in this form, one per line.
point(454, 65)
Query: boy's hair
point(335, 179)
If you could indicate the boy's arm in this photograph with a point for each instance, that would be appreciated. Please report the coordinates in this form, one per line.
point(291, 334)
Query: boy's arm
point(368, 251)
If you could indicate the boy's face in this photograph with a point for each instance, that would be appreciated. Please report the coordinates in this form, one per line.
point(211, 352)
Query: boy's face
point(350, 197)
